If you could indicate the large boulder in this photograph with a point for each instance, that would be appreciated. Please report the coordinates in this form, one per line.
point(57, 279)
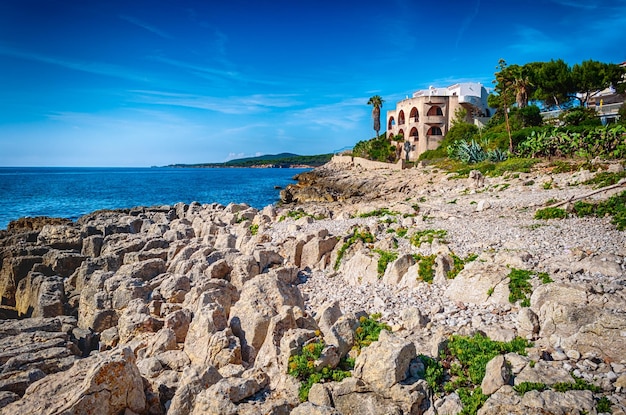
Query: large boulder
point(385, 362)
point(40, 296)
point(484, 278)
point(14, 269)
point(261, 299)
point(106, 383)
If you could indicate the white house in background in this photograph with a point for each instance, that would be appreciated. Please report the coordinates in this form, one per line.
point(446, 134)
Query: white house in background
point(424, 119)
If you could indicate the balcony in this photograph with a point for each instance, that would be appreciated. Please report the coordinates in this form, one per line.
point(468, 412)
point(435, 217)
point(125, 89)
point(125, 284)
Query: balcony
point(434, 119)
point(413, 120)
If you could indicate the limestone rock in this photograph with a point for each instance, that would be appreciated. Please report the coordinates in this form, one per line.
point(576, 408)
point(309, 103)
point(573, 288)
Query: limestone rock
point(544, 372)
point(308, 408)
point(104, 384)
point(497, 374)
point(385, 362)
point(191, 383)
point(60, 237)
point(40, 296)
point(314, 250)
point(360, 269)
point(482, 277)
point(397, 269)
point(261, 298)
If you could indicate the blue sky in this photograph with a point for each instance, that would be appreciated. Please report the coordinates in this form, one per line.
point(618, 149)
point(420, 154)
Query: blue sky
point(141, 83)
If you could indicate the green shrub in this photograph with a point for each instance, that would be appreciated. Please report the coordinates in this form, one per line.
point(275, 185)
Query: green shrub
point(472, 400)
point(473, 353)
point(368, 331)
point(519, 287)
point(385, 258)
point(378, 213)
point(524, 387)
point(551, 213)
point(614, 206)
point(302, 367)
point(604, 405)
point(433, 372)
point(425, 267)
point(459, 264)
point(579, 384)
point(427, 236)
point(254, 229)
point(357, 235)
point(604, 179)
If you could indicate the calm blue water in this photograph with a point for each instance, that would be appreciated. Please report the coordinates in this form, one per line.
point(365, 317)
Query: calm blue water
point(73, 192)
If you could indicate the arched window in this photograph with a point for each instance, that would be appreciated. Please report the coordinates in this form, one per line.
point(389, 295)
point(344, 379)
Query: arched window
point(391, 123)
point(413, 135)
point(414, 116)
point(434, 110)
point(401, 118)
point(434, 131)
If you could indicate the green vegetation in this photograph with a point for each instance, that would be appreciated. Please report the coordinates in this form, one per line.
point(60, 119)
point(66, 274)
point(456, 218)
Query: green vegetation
point(427, 236)
point(357, 235)
point(459, 264)
point(433, 371)
point(425, 267)
point(378, 213)
point(462, 364)
point(378, 149)
point(368, 331)
point(551, 213)
point(473, 353)
point(297, 214)
point(520, 287)
point(302, 367)
point(277, 160)
point(254, 229)
point(604, 405)
point(524, 387)
point(614, 206)
point(604, 179)
point(385, 258)
point(579, 384)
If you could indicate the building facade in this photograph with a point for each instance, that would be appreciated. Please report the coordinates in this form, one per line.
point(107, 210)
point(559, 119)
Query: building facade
point(421, 122)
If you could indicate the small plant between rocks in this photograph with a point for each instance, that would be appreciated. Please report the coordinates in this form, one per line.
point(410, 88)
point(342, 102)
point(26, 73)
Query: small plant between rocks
point(520, 287)
point(386, 257)
point(303, 367)
point(461, 367)
point(551, 213)
point(254, 229)
point(364, 236)
point(428, 236)
point(378, 213)
point(614, 206)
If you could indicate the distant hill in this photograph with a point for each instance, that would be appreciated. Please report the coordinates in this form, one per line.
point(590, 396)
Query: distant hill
point(282, 160)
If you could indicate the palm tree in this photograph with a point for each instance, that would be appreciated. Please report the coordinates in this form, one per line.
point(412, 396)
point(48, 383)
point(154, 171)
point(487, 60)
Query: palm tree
point(521, 84)
point(376, 102)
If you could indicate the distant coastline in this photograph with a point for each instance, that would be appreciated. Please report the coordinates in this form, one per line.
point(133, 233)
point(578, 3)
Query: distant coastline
point(271, 161)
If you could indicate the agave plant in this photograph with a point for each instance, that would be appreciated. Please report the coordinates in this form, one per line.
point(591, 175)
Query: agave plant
point(497, 155)
point(471, 152)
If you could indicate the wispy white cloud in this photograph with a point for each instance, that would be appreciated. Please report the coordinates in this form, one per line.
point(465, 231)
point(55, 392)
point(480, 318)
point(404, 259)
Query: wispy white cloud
point(146, 26)
point(347, 114)
point(466, 23)
point(97, 68)
point(587, 5)
point(530, 41)
point(227, 105)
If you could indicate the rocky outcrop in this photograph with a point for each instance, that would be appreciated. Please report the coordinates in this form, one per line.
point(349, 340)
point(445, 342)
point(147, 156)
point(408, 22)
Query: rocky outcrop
point(181, 309)
point(106, 383)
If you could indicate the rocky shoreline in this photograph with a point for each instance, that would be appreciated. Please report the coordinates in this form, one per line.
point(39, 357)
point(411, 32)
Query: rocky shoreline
point(193, 309)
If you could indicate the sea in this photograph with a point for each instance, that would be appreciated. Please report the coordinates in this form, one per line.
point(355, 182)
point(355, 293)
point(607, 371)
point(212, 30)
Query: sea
point(75, 191)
